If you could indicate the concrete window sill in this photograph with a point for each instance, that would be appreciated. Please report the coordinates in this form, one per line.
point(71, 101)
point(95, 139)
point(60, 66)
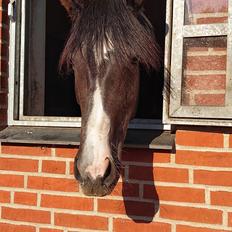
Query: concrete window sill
point(151, 139)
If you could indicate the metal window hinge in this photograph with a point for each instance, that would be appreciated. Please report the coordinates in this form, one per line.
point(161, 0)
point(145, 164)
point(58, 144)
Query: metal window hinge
point(12, 10)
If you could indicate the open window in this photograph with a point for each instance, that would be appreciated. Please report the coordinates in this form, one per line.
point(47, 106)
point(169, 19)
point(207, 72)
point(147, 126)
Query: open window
point(201, 63)
point(40, 95)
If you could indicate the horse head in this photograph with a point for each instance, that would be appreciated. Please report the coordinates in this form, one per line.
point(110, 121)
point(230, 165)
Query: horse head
point(108, 40)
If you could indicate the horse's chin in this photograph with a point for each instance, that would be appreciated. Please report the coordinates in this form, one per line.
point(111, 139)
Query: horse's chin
point(98, 188)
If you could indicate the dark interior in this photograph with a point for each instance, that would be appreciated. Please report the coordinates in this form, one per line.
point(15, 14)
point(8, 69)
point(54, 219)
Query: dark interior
point(59, 90)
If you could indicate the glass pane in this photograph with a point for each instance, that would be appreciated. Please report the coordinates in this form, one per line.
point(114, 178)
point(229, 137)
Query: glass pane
point(206, 11)
point(204, 71)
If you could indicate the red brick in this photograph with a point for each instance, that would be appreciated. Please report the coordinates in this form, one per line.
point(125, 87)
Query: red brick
point(230, 141)
point(27, 215)
point(5, 227)
point(205, 63)
point(136, 208)
point(209, 6)
point(230, 219)
point(30, 150)
point(198, 158)
point(205, 82)
point(51, 166)
point(11, 181)
point(22, 165)
point(199, 139)
point(210, 20)
point(49, 230)
point(4, 197)
point(66, 202)
point(145, 156)
point(25, 198)
point(71, 170)
point(124, 225)
point(182, 228)
point(66, 152)
point(210, 99)
point(197, 48)
point(53, 184)
point(191, 214)
point(158, 174)
point(81, 221)
point(221, 198)
point(126, 190)
point(220, 49)
point(161, 157)
point(178, 194)
point(220, 178)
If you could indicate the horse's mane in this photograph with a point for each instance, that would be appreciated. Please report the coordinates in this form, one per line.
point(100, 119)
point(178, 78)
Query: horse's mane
point(117, 24)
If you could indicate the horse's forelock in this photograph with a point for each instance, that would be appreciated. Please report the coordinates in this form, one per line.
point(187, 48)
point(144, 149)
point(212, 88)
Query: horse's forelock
point(102, 21)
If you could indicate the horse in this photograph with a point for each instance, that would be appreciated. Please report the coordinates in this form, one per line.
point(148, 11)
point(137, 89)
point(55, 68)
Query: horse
point(108, 41)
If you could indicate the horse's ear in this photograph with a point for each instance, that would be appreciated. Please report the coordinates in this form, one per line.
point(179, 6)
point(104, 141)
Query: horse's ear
point(72, 6)
point(136, 4)
point(67, 4)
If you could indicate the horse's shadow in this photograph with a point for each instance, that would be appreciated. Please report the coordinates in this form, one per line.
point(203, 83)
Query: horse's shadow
point(139, 193)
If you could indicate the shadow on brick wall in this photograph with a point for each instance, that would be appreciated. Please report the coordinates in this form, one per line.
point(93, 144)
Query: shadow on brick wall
point(139, 192)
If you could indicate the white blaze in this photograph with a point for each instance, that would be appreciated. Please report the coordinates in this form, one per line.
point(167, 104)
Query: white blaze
point(96, 145)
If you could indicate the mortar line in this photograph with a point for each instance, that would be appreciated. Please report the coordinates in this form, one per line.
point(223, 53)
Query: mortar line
point(225, 218)
point(67, 166)
point(226, 140)
point(110, 224)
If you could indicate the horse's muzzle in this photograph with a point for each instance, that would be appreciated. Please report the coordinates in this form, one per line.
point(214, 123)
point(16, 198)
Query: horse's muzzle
point(99, 186)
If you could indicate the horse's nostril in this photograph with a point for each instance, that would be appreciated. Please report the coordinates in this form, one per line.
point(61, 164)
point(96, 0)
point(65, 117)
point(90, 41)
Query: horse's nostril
point(108, 171)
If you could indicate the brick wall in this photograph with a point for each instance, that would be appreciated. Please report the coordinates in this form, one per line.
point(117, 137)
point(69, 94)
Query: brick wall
point(4, 38)
point(189, 190)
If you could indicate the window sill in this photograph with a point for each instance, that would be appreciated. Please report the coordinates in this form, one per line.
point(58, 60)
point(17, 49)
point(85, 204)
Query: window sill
point(151, 139)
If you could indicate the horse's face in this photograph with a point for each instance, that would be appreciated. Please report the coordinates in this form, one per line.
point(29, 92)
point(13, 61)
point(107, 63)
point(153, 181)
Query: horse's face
point(107, 103)
point(105, 39)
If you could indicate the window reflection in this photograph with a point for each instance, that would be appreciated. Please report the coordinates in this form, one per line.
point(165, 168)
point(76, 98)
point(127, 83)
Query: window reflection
point(204, 74)
point(206, 11)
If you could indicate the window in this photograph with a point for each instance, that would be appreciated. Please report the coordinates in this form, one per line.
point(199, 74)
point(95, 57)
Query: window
point(201, 63)
point(40, 96)
point(196, 36)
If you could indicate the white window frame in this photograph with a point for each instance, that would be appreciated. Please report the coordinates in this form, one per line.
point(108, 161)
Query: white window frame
point(196, 115)
point(15, 115)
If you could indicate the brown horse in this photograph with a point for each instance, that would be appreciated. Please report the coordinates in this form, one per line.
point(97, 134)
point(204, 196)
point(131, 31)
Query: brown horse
point(107, 42)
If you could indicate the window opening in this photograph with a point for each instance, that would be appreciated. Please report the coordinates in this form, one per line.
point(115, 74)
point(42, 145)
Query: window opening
point(45, 95)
